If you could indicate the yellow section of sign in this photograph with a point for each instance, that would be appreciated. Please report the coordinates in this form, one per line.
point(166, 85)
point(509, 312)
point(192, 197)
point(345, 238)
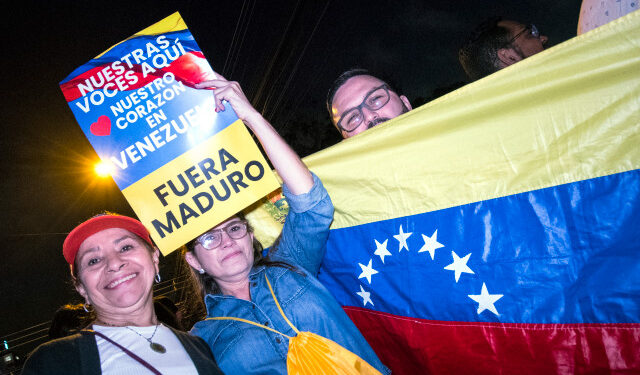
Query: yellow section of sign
point(201, 188)
point(173, 22)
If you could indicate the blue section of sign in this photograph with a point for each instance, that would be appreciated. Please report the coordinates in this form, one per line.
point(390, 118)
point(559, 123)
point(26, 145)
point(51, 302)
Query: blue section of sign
point(565, 254)
point(141, 117)
point(167, 133)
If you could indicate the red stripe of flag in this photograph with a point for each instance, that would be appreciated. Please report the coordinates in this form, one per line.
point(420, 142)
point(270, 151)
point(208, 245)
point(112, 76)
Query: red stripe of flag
point(419, 346)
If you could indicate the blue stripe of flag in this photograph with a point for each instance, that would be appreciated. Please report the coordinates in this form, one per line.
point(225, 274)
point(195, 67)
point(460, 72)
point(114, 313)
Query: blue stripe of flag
point(564, 254)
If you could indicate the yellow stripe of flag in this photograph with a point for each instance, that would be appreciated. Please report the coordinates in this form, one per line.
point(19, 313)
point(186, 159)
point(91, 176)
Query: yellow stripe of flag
point(567, 114)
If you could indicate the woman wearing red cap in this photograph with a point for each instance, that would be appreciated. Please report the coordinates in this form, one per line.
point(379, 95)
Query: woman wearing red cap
point(114, 264)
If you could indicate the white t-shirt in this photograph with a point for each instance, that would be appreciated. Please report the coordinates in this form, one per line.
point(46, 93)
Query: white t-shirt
point(114, 361)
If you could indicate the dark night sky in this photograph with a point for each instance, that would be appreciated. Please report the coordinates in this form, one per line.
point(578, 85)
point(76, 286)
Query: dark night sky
point(285, 54)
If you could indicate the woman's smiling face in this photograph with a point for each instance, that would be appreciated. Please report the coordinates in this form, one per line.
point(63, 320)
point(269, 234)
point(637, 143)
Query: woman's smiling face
point(115, 271)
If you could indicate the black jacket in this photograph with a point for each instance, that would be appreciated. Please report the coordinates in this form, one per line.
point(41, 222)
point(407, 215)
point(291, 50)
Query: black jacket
point(78, 354)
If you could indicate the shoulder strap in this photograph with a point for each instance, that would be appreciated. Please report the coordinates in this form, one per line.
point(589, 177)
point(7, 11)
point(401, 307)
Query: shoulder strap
point(258, 324)
point(278, 304)
point(127, 351)
point(249, 322)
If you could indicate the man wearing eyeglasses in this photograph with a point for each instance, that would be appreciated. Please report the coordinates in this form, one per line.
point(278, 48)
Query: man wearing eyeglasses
point(496, 44)
point(358, 101)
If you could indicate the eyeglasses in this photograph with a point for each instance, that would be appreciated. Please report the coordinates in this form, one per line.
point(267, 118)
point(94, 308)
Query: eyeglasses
point(376, 99)
point(213, 238)
point(531, 28)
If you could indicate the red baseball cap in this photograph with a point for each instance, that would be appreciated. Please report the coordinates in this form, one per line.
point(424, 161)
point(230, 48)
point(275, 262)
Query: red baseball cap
point(96, 224)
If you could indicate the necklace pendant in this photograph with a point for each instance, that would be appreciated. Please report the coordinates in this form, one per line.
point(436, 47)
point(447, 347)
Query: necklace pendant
point(158, 348)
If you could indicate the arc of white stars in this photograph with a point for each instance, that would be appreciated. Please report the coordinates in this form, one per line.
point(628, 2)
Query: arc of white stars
point(402, 238)
point(485, 300)
point(366, 296)
point(381, 250)
point(431, 244)
point(367, 271)
point(459, 265)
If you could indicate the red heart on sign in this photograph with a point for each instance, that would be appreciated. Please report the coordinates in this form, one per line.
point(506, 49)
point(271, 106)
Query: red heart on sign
point(101, 127)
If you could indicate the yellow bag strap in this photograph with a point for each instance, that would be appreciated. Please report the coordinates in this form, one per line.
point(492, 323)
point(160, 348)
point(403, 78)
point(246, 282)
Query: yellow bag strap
point(258, 324)
point(278, 304)
point(250, 322)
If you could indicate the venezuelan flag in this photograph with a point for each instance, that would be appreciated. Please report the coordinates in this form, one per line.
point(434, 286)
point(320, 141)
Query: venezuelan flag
point(497, 229)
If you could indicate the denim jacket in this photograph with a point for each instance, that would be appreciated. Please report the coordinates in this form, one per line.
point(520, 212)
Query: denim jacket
point(241, 348)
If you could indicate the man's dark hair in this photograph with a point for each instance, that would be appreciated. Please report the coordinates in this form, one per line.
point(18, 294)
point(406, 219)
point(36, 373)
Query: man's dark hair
point(344, 77)
point(479, 55)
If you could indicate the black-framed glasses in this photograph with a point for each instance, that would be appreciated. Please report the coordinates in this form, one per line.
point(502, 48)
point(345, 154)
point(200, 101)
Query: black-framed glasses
point(213, 238)
point(529, 28)
point(375, 99)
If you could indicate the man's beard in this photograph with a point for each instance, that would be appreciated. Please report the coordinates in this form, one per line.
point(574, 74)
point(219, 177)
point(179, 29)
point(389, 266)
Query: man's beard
point(380, 120)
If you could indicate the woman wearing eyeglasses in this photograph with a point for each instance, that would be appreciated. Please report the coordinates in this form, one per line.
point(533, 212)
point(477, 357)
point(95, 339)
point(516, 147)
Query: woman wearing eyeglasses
point(235, 279)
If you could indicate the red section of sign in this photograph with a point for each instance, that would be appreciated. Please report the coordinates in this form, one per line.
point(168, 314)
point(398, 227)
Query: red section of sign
point(190, 68)
point(102, 127)
point(418, 346)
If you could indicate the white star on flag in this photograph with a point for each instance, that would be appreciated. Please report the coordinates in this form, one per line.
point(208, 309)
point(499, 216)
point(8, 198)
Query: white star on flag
point(367, 271)
point(381, 250)
point(366, 296)
point(485, 300)
point(459, 265)
point(431, 244)
point(402, 238)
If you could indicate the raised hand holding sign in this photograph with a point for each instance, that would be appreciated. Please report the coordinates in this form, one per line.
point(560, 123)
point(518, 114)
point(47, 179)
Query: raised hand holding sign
point(180, 163)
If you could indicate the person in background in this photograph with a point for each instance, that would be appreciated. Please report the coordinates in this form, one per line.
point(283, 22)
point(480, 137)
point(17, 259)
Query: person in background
point(167, 312)
point(113, 266)
point(69, 319)
point(496, 44)
point(236, 281)
point(358, 101)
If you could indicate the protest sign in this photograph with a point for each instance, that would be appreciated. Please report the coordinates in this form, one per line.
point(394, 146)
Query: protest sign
point(182, 167)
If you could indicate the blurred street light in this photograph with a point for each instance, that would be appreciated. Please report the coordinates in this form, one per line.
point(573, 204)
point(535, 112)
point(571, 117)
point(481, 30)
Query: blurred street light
point(103, 169)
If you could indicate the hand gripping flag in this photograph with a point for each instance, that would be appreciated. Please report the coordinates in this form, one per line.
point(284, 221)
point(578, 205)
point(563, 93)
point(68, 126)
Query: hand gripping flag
point(497, 229)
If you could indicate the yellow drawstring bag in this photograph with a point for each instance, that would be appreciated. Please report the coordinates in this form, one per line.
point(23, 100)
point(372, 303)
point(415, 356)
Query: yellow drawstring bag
point(313, 354)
